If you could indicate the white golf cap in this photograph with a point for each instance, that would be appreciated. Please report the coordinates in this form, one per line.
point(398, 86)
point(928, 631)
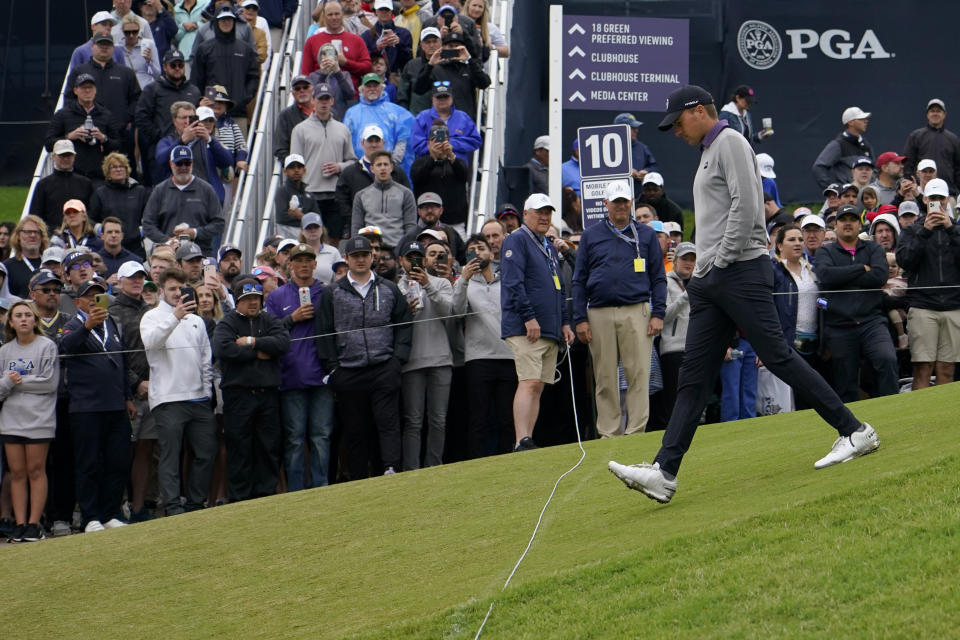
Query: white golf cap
point(936, 102)
point(292, 158)
point(765, 164)
point(61, 147)
point(812, 219)
point(205, 113)
point(538, 201)
point(618, 190)
point(52, 254)
point(926, 163)
point(672, 227)
point(801, 212)
point(371, 130)
point(429, 31)
point(542, 142)
point(653, 178)
point(131, 268)
point(854, 113)
point(383, 4)
point(908, 208)
point(286, 243)
point(936, 187)
point(250, 3)
point(102, 16)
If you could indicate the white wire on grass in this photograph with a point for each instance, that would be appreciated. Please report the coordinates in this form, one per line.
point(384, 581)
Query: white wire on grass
point(583, 454)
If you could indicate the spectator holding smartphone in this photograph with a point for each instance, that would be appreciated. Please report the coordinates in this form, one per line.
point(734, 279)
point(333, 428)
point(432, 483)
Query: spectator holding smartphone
point(28, 390)
point(181, 381)
point(101, 407)
point(385, 38)
point(457, 126)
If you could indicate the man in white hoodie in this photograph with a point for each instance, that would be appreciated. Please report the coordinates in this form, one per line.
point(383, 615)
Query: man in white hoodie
point(181, 379)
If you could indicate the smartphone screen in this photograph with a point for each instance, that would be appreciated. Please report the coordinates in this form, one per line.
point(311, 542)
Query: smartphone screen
point(193, 119)
point(470, 255)
point(187, 294)
point(449, 53)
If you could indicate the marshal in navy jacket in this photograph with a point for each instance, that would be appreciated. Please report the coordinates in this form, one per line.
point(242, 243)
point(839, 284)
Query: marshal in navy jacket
point(527, 287)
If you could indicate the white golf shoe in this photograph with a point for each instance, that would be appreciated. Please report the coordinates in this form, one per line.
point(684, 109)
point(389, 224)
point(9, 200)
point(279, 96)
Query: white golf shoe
point(645, 478)
point(859, 443)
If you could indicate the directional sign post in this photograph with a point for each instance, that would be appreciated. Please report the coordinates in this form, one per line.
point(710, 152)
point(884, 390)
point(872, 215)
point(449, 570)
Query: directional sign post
point(604, 158)
point(623, 64)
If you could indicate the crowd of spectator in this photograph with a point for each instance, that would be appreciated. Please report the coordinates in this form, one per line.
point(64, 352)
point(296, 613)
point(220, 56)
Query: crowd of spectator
point(148, 373)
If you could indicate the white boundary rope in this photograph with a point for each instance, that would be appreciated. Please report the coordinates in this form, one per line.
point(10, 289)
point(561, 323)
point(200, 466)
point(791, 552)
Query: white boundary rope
point(536, 529)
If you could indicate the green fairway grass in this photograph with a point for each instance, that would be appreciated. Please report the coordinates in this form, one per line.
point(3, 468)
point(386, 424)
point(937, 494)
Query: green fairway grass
point(11, 202)
point(756, 544)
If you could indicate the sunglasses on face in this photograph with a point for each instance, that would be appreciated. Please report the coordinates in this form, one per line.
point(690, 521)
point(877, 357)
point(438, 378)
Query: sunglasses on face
point(176, 65)
point(183, 163)
point(48, 290)
point(131, 33)
point(301, 87)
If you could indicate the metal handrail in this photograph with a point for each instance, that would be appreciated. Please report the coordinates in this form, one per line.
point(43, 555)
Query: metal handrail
point(44, 162)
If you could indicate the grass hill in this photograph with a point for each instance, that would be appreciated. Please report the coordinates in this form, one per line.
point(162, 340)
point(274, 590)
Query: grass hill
point(755, 544)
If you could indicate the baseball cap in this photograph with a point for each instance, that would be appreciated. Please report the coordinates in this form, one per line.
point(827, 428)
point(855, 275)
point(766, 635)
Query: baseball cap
point(447, 7)
point(672, 227)
point(262, 272)
point(84, 77)
point(383, 4)
point(452, 36)
point(131, 268)
point(618, 190)
point(63, 147)
point(173, 54)
point(52, 254)
point(863, 161)
point(310, 219)
point(765, 164)
point(441, 90)
point(411, 247)
point(627, 118)
point(218, 93)
point(357, 244)
point(42, 277)
point(189, 251)
point(833, 187)
point(250, 3)
point(537, 201)
point(293, 158)
point(542, 142)
point(767, 197)
point(74, 205)
point(247, 286)
point(429, 197)
point(779, 220)
point(285, 244)
point(180, 153)
point(847, 210)
point(226, 12)
point(323, 90)
point(936, 187)
point(744, 91)
point(302, 249)
point(854, 113)
point(75, 256)
point(683, 98)
point(683, 249)
point(849, 187)
point(908, 208)
point(370, 131)
point(85, 286)
point(370, 229)
point(801, 212)
point(370, 77)
point(206, 113)
point(436, 234)
point(936, 102)
point(150, 284)
point(300, 79)
point(429, 31)
point(102, 37)
point(653, 178)
point(656, 225)
point(814, 220)
point(926, 163)
point(225, 249)
point(889, 156)
point(102, 16)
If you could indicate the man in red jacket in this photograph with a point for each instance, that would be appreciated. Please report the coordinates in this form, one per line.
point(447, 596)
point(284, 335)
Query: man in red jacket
point(351, 49)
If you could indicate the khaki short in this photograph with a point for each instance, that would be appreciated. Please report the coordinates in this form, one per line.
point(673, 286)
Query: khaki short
point(534, 360)
point(143, 427)
point(934, 335)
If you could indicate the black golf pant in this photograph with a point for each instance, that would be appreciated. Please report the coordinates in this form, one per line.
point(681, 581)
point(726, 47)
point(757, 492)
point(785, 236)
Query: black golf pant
point(738, 296)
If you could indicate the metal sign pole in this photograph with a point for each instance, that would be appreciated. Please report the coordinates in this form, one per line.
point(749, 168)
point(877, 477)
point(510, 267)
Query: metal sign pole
point(556, 111)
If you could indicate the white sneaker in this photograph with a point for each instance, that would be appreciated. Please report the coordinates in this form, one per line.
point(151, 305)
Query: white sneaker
point(390, 471)
point(645, 478)
point(846, 448)
point(93, 525)
point(114, 523)
point(60, 528)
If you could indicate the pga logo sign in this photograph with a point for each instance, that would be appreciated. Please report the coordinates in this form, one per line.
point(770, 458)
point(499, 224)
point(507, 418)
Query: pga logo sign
point(761, 47)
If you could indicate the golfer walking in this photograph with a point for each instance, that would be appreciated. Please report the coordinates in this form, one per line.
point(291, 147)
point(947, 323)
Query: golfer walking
point(731, 288)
